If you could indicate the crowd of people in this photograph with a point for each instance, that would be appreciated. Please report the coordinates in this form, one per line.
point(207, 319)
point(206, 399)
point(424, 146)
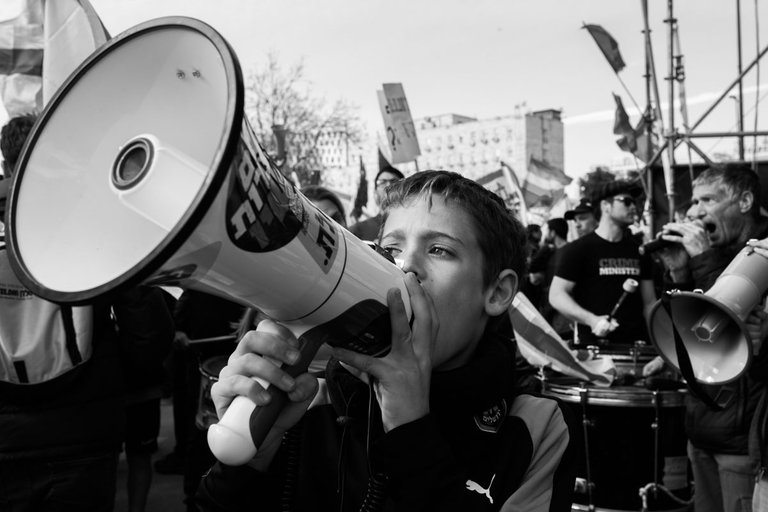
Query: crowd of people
point(441, 421)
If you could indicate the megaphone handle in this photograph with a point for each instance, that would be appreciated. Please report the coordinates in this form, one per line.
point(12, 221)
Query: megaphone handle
point(236, 438)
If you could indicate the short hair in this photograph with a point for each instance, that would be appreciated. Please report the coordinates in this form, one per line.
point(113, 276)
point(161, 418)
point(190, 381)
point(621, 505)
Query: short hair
point(501, 237)
point(533, 231)
point(559, 226)
point(736, 178)
point(318, 193)
point(12, 137)
point(390, 170)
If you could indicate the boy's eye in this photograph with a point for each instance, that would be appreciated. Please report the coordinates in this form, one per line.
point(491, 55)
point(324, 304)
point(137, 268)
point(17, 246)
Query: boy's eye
point(391, 250)
point(440, 251)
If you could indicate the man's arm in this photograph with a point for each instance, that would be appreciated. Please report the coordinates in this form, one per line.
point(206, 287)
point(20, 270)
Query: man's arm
point(561, 298)
point(648, 294)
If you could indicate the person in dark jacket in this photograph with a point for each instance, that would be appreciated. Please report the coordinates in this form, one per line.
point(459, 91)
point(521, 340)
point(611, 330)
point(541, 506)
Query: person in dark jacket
point(436, 424)
point(757, 324)
point(368, 229)
point(60, 436)
point(724, 214)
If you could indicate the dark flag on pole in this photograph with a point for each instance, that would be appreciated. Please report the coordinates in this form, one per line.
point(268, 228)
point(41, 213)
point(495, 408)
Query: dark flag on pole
point(607, 45)
point(635, 140)
point(361, 199)
point(621, 126)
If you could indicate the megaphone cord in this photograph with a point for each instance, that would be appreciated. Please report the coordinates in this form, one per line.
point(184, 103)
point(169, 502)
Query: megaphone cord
point(377, 481)
point(658, 487)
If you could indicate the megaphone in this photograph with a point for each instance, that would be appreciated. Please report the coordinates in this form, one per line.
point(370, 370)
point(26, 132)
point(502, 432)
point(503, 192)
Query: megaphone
point(143, 169)
point(711, 325)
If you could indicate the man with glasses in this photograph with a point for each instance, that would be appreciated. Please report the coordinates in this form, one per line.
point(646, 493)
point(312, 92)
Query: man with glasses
point(369, 229)
point(591, 272)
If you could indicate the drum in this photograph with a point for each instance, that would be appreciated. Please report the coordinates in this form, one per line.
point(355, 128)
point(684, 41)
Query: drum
point(632, 440)
point(209, 373)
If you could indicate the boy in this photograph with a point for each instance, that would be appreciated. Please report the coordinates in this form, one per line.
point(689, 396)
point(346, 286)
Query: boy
point(440, 427)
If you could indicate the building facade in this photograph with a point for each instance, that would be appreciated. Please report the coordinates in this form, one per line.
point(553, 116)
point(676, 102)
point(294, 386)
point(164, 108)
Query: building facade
point(476, 147)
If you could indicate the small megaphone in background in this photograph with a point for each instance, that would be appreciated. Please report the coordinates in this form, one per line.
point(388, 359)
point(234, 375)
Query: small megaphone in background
point(711, 325)
point(144, 169)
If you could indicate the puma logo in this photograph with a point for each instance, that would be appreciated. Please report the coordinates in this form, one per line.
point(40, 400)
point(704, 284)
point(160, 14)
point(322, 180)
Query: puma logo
point(474, 486)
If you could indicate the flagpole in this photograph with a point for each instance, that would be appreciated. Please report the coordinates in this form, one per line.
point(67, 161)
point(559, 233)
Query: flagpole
point(629, 94)
point(665, 162)
point(648, 125)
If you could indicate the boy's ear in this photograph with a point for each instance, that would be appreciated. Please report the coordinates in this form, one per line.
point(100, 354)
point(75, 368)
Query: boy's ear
point(500, 294)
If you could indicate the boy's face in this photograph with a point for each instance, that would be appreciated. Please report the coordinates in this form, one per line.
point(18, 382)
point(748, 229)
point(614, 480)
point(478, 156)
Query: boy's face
point(439, 245)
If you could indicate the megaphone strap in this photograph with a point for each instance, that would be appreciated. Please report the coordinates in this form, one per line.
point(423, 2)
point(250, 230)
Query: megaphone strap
point(684, 361)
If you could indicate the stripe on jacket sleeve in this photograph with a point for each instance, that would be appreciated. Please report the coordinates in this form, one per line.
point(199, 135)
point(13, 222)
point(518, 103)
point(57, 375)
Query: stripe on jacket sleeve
point(550, 436)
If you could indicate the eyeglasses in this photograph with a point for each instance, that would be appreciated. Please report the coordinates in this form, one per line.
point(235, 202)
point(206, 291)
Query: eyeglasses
point(628, 201)
point(386, 182)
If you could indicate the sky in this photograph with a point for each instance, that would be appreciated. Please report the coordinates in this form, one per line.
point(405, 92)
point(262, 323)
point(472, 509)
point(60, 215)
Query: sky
point(483, 57)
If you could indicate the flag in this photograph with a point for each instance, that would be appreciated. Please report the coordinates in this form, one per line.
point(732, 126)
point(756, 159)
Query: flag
point(543, 183)
point(621, 126)
point(634, 140)
point(541, 346)
point(607, 45)
point(383, 162)
point(41, 47)
point(647, 145)
point(361, 199)
point(504, 184)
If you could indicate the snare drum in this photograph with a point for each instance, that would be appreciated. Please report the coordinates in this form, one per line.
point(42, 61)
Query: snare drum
point(631, 437)
point(209, 373)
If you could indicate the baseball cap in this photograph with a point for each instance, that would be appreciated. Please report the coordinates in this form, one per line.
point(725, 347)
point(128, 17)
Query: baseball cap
point(616, 187)
point(584, 206)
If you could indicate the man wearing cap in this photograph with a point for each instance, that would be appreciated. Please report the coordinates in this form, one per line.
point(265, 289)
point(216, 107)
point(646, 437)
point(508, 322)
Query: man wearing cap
point(591, 272)
point(583, 215)
point(369, 229)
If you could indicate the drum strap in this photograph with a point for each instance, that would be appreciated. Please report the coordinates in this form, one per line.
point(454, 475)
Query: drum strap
point(685, 361)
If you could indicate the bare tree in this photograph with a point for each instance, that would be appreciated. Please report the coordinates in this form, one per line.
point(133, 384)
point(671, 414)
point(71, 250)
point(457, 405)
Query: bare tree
point(282, 98)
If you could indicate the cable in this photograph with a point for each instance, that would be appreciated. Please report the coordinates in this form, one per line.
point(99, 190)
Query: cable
point(377, 482)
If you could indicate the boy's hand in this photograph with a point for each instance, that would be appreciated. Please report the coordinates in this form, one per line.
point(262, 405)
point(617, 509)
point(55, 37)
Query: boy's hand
point(254, 364)
point(403, 376)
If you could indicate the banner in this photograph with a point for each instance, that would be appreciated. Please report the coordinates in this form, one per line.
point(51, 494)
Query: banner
point(400, 132)
point(504, 184)
point(607, 45)
point(542, 347)
point(543, 183)
point(41, 46)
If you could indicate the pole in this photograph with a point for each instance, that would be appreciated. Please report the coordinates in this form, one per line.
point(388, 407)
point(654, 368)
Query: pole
point(672, 193)
point(728, 89)
point(671, 78)
point(649, 125)
point(741, 84)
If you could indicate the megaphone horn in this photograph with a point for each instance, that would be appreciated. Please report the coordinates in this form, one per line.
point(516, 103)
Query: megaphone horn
point(711, 325)
point(144, 169)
